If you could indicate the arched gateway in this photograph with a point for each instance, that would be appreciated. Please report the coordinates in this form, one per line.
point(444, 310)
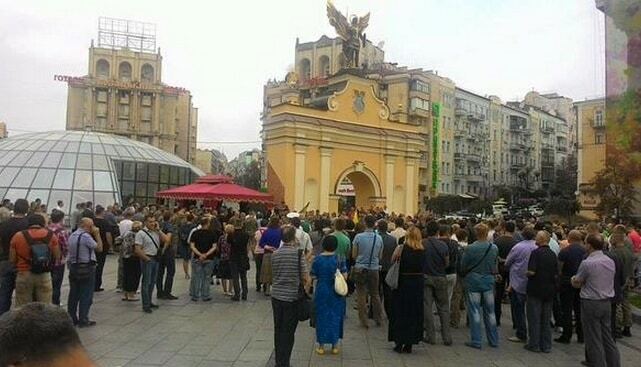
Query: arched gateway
point(339, 147)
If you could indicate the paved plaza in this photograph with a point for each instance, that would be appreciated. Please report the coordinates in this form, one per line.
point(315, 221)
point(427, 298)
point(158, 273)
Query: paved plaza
point(225, 333)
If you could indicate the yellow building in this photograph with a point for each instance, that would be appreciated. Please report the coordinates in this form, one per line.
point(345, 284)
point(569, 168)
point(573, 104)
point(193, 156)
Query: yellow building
point(3, 130)
point(316, 137)
point(590, 117)
point(123, 93)
point(204, 159)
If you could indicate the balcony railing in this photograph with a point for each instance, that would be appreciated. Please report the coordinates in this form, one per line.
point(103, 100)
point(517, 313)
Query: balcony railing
point(473, 157)
point(517, 146)
point(458, 155)
point(598, 124)
point(547, 129)
point(562, 148)
point(517, 165)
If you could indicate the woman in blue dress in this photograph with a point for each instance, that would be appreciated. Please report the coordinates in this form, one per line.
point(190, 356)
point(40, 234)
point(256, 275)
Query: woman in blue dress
point(329, 306)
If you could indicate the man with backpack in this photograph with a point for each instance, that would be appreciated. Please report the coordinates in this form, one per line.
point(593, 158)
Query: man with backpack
point(33, 252)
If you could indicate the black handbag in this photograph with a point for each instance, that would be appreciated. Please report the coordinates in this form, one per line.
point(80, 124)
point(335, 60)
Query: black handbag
point(303, 303)
point(81, 271)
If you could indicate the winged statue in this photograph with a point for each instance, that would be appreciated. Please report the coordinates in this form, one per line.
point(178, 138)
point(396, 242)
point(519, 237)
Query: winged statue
point(351, 33)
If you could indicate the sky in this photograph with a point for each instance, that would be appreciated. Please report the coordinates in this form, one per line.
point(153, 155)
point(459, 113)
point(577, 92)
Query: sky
point(224, 52)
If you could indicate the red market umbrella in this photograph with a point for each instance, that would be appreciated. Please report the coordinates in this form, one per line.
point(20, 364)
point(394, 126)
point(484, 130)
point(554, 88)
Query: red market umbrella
point(220, 191)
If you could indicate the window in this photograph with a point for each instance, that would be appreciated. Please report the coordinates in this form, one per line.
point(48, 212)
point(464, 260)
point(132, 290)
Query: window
point(146, 99)
point(102, 69)
point(101, 95)
point(323, 66)
point(124, 71)
point(598, 119)
point(146, 114)
point(147, 73)
point(419, 103)
point(420, 86)
point(599, 138)
point(305, 69)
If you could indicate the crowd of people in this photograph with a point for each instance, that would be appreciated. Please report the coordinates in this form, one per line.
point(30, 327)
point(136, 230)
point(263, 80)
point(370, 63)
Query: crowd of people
point(402, 270)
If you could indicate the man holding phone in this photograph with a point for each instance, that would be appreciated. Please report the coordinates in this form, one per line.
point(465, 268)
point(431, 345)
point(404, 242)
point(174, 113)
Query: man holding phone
point(148, 244)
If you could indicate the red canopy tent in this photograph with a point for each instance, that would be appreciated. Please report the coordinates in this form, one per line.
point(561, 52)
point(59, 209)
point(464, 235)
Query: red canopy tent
point(215, 188)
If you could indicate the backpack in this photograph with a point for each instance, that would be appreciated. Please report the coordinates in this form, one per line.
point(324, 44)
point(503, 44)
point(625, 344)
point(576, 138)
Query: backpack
point(41, 259)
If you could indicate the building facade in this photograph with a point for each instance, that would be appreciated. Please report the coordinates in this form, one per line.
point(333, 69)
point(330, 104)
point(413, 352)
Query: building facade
point(204, 160)
point(3, 130)
point(123, 94)
point(590, 116)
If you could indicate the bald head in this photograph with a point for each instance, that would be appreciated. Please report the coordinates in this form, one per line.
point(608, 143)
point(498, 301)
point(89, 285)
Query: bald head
point(542, 238)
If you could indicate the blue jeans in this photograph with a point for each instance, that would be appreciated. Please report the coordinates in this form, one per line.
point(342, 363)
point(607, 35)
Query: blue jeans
point(80, 297)
point(517, 302)
point(57, 276)
point(477, 302)
point(539, 315)
point(149, 276)
point(7, 285)
point(200, 279)
point(166, 262)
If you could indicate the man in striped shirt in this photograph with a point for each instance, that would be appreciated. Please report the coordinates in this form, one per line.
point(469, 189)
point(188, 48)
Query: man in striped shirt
point(286, 262)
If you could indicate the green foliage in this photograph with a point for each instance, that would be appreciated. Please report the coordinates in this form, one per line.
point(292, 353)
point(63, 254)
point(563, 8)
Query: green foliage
point(614, 185)
point(562, 206)
point(250, 177)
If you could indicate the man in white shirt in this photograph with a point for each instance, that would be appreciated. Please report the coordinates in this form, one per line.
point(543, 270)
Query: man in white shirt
point(125, 224)
point(303, 239)
point(399, 232)
point(60, 206)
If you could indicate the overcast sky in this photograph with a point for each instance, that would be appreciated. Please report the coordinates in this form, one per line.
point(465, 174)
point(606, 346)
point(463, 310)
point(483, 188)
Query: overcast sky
point(224, 51)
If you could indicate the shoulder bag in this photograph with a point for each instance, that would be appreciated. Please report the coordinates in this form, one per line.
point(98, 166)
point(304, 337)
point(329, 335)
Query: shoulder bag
point(340, 285)
point(81, 271)
point(391, 279)
point(158, 249)
point(303, 304)
point(358, 272)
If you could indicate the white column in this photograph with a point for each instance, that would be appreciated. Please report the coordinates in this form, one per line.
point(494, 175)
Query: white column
point(410, 199)
point(299, 176)
point(389, 182)
point(325, 168)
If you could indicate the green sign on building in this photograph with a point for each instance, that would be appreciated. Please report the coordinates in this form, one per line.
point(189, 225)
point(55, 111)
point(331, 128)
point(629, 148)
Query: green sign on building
point(436, 114)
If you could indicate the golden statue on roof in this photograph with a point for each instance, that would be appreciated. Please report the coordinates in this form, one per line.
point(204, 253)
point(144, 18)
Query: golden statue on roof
point(350, 32)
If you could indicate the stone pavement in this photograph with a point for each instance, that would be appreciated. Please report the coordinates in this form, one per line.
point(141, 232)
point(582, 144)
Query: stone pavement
point(225, 333)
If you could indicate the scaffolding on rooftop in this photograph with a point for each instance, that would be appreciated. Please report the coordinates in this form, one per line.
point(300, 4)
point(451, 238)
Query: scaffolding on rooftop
point(126, 34)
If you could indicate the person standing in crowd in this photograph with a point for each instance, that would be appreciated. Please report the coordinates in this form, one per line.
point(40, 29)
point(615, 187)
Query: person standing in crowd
point(542, 275)
point(269, 241)
point(57, 227)
point(84, 242)
point(33, 281)
point(329, 306)
point(406, 317)
point(289, 269)
point(595, 278)
point(76, 215)
point(399, 232)
point(517, 261)
point(167, 260)
point(436, 261)
point(106, 236)
point(303, 239)
point(478, 266)
point(622, 252)
point(259, 252)
point(389, 245)
point(458, 295)
point(224, 252)
point(60, 206)
point(18, 222)
point(569, 260)
point(203, 246)
point(343, 241)
point(505, 241)
point(184, 249)
point(239, 260)
point(130, 263)
point(37, 335)
point(124, 226)
point(454, 251)
point(367, 250)
point(148, 246)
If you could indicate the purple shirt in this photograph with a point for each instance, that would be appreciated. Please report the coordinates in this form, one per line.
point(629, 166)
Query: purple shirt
point(597, 274)
point(517, 261)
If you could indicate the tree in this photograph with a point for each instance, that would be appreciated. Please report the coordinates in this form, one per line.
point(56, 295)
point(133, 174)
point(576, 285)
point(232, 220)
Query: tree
point(444, 204)
point(615, 185)
point(563, 206)
point(250, 177)
point(566, 176)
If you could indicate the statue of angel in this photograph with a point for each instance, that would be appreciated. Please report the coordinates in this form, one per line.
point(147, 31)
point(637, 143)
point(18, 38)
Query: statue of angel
point(351, 33)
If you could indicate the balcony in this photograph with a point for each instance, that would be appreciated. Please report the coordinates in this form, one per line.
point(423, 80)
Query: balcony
point(547, 129)
point(472, 157)
point(459, 134)
point(474, 178)
point(562, 149)
point(517, 165)
point(547, 146)
point(416, 111)
point(517, 146)
point(458, 155)
point(598, 124)
point(547, 163)
point(475, 116)
point(460, 111)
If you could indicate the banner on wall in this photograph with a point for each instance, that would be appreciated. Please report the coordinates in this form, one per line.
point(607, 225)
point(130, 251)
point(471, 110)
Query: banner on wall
point(436, 114)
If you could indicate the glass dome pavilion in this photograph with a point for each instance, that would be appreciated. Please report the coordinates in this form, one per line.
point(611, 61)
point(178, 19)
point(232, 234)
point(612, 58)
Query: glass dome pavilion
point(80, 166)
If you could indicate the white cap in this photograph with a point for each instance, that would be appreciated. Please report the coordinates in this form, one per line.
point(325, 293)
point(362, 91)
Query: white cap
point(291, 215)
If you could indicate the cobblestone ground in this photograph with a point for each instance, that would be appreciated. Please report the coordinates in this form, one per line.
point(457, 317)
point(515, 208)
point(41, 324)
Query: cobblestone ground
point(225, 333)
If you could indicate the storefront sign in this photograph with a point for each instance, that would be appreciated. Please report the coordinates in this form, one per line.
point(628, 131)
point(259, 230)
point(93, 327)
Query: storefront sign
point(110, 83)
point(346, 188)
